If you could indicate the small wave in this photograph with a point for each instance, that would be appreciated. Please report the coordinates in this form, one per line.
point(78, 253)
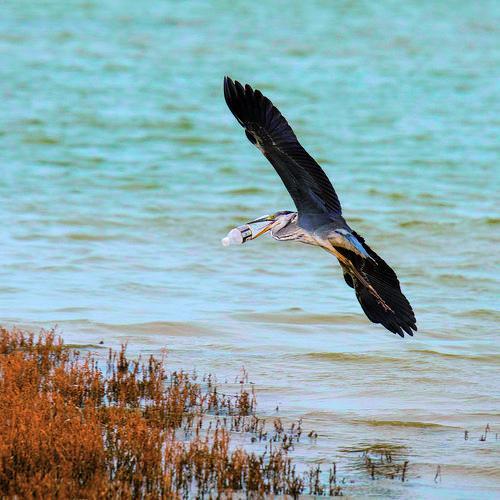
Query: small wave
point(84, 346)
point(227, 170)
point(170, 328)
point(158, 327)
point(114, 67)
point(481, 313)
point(375, 448)
point(416, 223)
point(59, 163)
point(31, 121)
point(462, 279)
point(41, 139)
point(299, 51)
point(400, 423)
point(492, 221)
point(90, 237)
point(302, 319)
point(190, 140)
point(468, 357)
point(71, 309)
point(248, 190)
point(348, 357)
point(10, 289)
point(392, 196)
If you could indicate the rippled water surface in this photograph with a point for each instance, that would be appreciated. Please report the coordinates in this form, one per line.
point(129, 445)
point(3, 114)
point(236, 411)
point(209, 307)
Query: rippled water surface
point(121, 169)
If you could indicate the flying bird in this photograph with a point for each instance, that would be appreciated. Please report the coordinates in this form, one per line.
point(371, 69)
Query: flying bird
point(318, 220)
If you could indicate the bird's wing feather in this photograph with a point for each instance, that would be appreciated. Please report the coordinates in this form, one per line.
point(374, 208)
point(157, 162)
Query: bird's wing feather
point(267, 128)
point(395, 313)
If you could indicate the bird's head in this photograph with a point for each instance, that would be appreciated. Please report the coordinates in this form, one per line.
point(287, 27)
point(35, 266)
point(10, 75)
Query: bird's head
point(275, 221)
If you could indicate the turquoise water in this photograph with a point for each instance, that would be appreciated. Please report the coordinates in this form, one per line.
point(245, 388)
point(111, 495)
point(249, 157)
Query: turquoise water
point(121, 169)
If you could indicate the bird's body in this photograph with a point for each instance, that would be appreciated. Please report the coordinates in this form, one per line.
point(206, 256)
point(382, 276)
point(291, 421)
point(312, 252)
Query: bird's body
point(318, 220)
point(329, 235)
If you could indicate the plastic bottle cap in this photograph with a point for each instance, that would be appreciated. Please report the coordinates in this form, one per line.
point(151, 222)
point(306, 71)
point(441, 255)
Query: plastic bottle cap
point(225, 242)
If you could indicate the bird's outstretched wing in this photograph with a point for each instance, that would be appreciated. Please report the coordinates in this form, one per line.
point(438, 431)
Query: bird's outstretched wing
point(378, 291)
point(268, 129)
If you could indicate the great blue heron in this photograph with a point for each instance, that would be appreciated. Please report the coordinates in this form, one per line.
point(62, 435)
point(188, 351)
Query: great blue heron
point(318, 220)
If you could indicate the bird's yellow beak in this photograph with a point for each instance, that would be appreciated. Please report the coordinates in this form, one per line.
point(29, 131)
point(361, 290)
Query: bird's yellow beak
point(266, 218)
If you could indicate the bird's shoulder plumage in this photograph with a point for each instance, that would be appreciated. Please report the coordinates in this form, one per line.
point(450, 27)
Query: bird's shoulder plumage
point(267, 128)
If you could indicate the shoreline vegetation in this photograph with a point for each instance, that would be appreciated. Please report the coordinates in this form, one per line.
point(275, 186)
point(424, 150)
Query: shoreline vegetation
point(78, 425)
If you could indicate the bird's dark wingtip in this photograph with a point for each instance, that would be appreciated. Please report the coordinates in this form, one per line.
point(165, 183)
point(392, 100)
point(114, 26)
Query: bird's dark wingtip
point(241, 100)
point(409, 329)
point(231, 97)
point(401, 330)
point(227, 84)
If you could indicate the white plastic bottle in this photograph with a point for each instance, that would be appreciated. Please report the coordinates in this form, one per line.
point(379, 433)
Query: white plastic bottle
point(238, 235)
point(244, 233)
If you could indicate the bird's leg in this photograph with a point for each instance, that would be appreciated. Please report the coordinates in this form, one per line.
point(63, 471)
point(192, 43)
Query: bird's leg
point(347, 263)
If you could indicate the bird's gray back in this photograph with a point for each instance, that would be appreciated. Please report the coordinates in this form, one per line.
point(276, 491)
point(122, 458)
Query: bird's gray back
point(315, 222)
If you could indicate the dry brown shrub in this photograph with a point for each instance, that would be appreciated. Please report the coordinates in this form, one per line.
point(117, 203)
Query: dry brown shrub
point(75, 426)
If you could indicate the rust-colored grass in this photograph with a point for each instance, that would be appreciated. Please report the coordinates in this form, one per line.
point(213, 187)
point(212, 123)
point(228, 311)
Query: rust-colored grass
point(75, 426)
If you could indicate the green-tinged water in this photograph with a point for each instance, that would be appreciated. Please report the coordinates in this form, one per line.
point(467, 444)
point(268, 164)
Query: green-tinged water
point(121, 169)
